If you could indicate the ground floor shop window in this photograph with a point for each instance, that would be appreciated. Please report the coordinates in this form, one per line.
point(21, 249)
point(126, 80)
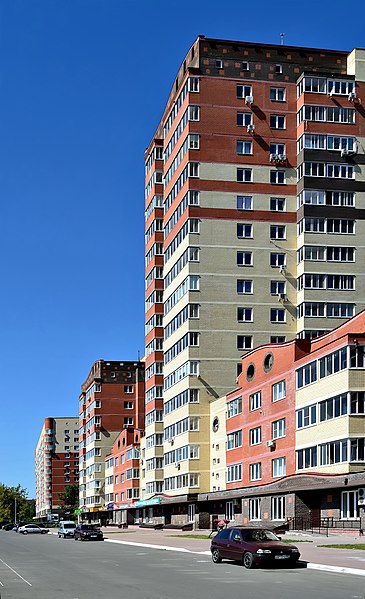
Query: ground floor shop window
point(255, 509)
point(278, 508)
point(349, 508)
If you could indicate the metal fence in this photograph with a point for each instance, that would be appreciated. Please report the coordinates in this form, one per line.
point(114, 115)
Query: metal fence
point(325, 525)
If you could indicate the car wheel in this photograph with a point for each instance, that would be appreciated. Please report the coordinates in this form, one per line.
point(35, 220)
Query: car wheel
point(82, 538)
point(216, 558)
point(43, 532)
point(248, 560)
point(25, 532)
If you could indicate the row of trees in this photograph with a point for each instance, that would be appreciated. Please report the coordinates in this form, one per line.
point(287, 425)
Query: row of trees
point(14, 504)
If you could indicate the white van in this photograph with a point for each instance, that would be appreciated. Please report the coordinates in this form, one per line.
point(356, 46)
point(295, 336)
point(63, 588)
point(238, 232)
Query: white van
point(66, 528)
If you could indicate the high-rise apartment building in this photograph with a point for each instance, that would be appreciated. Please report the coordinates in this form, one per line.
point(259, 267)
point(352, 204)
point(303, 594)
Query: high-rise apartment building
point(255, 197)
point(112, 399)
point(56, 462)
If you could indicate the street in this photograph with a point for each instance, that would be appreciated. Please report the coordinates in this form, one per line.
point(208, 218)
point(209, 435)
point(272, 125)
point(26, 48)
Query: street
point(45, 567)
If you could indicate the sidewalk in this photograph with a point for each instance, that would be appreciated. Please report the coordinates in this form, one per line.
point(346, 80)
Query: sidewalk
point(347, 561)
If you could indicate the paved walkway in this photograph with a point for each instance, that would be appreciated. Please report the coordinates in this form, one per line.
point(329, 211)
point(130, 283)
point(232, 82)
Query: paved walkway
point(348, 561)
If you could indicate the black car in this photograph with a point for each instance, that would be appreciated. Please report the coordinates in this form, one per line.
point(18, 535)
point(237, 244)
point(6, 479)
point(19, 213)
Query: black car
point(252, 547)
point(9, 526)
point(88, 532)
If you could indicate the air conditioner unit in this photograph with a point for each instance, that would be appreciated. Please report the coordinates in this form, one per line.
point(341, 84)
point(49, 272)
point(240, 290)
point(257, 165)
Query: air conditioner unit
point(282, 269)
point(344, 152)
point(250, 128)
point(282, 157)
point(361, 496)
point(282, 297)
point(352, 96)
point(171, 441)
point(331, 93)
point(97, 424)
point(274, 157)
point(249, 99)
point(125, 425)
point(271, 443)
point(177, 465)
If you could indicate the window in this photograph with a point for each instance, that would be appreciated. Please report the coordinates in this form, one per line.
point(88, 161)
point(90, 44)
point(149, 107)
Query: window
point(244, 203)
point(234, 473)
point(234, 440)
point(307, 458)
point(279, 428)
point(255, 436)
point(128, 388)
point(244, 342)
point(349, 505)
point(244, 231)
point(340, 254)
point(277, 287)
point(277, 315)
point(255, 471)
point(255, 508)
point(194, 141)
point(219, 64)
point(244, 175)
point(333, 407)
point(243, 91)
point(277, 150)
point(277, 94)
point(255, 401)
point(234, 407)
point(333, 363)
point(244, 259)
point(279, 467)
point(277, 339)
point(277, 121)
point(277, 177)
point(244, 286)
point(340, 310)
point(277, 232)
point(279, 391)
point(278, 69)
point(277, 204)
point(307, 416)
point(244, 119)
point(244, 147)
point(245, 66)
point(278, 508)
point(334, 452)
point(306, 375)
point(244, 314)
point(277, 260)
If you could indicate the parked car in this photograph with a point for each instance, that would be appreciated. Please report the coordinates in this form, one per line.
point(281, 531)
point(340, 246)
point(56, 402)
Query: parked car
point(9, 526)
point(88, 532)
point(66, 528)
point(32, 529)
point(252, 547)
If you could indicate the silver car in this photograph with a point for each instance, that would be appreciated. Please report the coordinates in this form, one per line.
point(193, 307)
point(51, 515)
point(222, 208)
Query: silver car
point(32, 529)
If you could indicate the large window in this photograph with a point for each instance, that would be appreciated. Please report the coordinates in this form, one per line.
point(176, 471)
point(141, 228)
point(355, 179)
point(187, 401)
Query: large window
point(244, 203)
point(278, 508)
point(244, 175)
point(255, 435)
point(255, 401)
point(244, 314)
point(234, 440)
point(244, 259)
point(234, 407)
point(349, 505)
point(307, 416)
point(307, 458)
point(234, 473)
point(244, 286)
point(306, 375)
point(255, 508)
point(279, 428)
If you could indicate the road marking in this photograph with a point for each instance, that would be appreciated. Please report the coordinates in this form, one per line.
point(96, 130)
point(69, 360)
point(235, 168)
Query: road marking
point(1, 584)
point(15, 572)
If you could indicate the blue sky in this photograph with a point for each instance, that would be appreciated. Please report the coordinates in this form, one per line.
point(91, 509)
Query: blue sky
point(82, 86)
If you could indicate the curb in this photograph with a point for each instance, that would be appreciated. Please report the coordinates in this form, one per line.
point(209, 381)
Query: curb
point(310, 565)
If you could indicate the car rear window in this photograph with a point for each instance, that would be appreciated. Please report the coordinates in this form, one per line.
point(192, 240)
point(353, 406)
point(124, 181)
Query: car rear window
point(68, 526)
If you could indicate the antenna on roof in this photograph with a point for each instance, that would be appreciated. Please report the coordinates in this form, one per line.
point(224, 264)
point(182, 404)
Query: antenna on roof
point(138, 355)
point(282, 35)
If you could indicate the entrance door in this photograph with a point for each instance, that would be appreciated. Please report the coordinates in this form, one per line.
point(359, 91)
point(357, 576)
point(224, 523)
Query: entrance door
point(229, 511)
point(191, 512)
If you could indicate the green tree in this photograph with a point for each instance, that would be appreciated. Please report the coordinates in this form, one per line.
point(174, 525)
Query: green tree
point(15, 505)
point(69, 498)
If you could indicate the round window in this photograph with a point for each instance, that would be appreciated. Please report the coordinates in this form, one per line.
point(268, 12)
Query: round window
point(250, 372)
point(268, 362)
point(215, 425)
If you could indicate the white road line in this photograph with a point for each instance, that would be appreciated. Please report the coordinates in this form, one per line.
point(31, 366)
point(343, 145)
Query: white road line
point(15, 572)
point(1, 584)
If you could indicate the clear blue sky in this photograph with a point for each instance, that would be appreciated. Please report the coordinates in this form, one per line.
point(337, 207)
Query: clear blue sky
point(82, 86)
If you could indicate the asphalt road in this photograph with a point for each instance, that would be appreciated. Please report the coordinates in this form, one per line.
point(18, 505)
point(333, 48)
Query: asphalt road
point(45, 567)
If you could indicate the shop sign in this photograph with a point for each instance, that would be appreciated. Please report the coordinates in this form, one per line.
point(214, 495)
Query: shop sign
point(147, 502)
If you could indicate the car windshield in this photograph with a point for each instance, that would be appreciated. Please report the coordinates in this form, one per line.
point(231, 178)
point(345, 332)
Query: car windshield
point(260, 536)
point(68, 526)
point(89, 527)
